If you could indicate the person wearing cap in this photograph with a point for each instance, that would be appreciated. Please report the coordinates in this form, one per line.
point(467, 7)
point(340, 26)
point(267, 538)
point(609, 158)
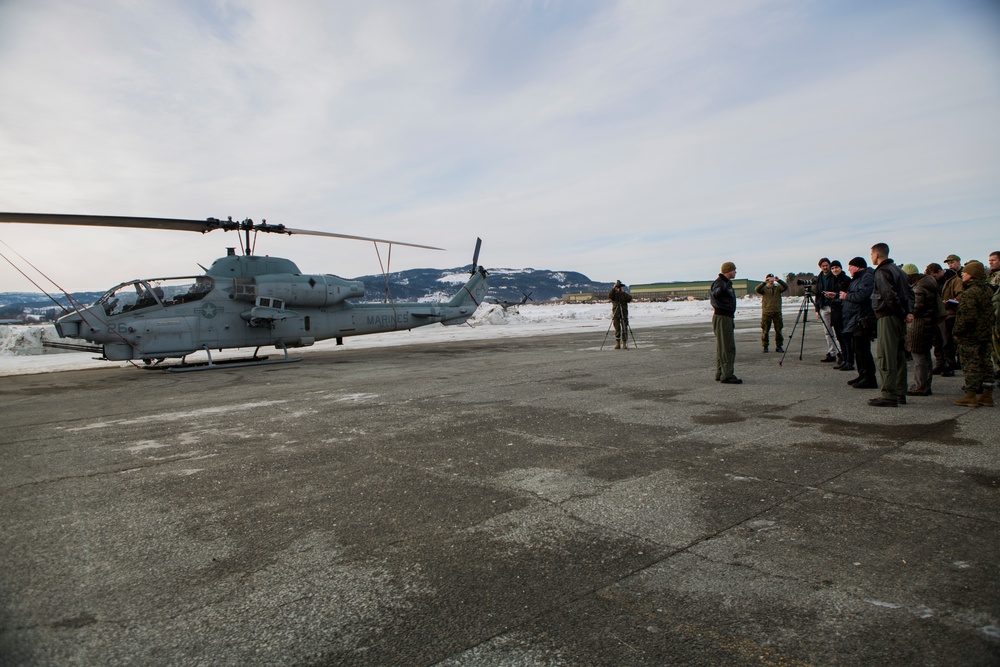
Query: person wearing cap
point(770, 310)
point(892, 301)
point(951, 294)
point(920, 331)
point(859, 321)
point(620, 299)
point(974, 332)
point(723, 300)
point(824, 311)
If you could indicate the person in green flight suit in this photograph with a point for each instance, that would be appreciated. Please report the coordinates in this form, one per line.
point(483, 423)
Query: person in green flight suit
point(770, 310)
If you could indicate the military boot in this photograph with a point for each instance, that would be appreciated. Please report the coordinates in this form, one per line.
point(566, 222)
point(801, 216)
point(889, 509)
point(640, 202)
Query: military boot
point(986, 399)
point(969, 400)
point(618, 344)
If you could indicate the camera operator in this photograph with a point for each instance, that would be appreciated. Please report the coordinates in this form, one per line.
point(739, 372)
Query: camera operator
point(859, 321)
point(619, 299)
point(825, 283)
point(770, 310)
point(840, 283)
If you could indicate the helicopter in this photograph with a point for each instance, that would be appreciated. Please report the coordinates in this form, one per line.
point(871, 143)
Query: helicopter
point(241, 301)
point(505, 304)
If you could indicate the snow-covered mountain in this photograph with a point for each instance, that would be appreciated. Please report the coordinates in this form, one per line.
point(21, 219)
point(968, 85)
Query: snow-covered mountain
point(504, 284)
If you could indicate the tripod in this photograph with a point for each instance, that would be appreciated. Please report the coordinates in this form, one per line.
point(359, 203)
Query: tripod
point(626, 328)
point(806, 301)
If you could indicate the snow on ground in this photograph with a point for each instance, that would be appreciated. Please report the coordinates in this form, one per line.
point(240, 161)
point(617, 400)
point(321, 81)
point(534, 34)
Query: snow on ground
point(21, 350)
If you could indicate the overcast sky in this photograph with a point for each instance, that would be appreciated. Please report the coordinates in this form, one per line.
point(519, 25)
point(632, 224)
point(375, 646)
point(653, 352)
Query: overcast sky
point(643, 141)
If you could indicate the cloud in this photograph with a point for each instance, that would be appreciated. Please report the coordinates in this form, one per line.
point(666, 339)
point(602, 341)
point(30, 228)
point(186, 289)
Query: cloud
point(646, 141)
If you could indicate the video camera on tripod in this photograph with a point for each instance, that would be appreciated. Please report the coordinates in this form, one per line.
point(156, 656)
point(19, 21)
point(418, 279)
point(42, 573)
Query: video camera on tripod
point(807, 286)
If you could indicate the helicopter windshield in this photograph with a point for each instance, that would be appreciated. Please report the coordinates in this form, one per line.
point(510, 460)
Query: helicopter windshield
point(140, 294)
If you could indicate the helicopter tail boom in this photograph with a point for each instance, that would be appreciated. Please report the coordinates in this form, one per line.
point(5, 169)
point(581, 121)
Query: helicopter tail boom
point(464, 304)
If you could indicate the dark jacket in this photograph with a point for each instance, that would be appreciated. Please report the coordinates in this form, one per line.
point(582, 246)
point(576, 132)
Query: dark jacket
point(920, 332)
point(619, 303)
point(825, 282)
point(723, 297)
point(858, 303)
point(893, 294)
point(770, 302)
point(839, 284)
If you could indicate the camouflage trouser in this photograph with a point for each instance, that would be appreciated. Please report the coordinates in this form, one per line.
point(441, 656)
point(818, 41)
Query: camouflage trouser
point(976, 365)
point(621, 327)
point(996, 347)
point(766, 320)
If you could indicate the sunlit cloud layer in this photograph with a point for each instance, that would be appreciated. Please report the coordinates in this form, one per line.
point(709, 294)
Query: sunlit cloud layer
point(644, 141)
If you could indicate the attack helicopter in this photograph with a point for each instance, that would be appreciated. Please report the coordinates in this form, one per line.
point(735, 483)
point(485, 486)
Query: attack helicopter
point(241, 301)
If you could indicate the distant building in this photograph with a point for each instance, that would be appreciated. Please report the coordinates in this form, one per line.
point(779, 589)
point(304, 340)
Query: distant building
point(583, 297)
point(697, 290)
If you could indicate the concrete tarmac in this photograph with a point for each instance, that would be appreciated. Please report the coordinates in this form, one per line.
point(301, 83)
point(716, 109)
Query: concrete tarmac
point(516, 502)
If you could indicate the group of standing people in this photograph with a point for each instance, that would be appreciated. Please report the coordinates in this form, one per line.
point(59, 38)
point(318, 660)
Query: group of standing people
point(955, 312)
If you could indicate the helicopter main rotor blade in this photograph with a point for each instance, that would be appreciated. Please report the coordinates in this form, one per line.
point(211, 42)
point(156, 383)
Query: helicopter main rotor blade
point(288, 230)
point(109, 221)
point(178, 224)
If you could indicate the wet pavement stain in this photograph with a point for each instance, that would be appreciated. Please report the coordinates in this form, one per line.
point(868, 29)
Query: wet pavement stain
point(990, 481)
point(831, 447)
point(718, 417)
point(943, 432)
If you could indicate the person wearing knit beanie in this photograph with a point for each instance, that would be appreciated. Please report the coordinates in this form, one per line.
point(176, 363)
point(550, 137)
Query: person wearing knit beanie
point(723, 300)
point(975, 269)
point(974, 332)
point(859, 321)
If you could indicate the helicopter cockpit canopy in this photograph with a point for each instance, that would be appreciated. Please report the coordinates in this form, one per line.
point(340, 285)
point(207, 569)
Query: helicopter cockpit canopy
point(140, 294)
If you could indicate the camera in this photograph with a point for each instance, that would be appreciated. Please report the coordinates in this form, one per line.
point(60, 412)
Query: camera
point(805, 282)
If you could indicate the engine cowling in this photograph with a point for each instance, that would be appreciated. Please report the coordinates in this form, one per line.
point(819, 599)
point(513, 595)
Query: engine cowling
point(313, 291)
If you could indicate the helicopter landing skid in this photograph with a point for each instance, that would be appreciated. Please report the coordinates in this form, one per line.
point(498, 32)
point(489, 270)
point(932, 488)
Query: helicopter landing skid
point(183, 366)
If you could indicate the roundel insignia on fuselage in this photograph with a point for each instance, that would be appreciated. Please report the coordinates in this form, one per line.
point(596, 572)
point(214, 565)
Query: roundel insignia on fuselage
point(209, 310)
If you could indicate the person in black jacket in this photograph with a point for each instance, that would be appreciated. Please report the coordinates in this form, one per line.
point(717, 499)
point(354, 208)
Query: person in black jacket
point(859, 321)
point(723, 299)
point(840, 283)
point(825, 284)
point(892, 301)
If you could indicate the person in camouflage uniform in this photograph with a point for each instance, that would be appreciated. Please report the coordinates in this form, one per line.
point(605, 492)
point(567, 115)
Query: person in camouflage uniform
point(620, 299)
point(994, 280)
point(974, 332)
point(770, 310)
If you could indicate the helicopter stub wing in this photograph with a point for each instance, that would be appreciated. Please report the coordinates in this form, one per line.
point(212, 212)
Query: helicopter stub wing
point(179, 224)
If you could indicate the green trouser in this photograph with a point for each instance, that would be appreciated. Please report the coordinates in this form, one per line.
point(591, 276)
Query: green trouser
point(890, 357)
point(766, 320)
point(725, 346)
